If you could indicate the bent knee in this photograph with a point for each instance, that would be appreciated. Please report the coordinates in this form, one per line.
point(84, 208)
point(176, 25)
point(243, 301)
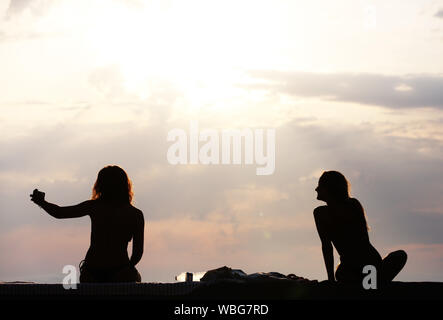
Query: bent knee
point(401, 255)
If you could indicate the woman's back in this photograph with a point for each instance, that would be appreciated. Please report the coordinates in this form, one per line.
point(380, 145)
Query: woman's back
point(112, 228)
point(114, 222)
point(347, 229)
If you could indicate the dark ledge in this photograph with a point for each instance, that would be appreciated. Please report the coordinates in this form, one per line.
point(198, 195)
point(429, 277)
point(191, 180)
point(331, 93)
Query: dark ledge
point(222, 290)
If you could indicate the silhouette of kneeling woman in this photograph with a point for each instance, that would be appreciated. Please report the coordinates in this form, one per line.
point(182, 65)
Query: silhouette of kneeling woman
point(114, 223)
point(342, 223)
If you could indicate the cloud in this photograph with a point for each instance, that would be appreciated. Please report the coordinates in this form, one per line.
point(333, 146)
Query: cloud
point(35, 7)
point(16, 6)
point(394, 92)
point(439, 14)
point(108, 80)
point(41, 250)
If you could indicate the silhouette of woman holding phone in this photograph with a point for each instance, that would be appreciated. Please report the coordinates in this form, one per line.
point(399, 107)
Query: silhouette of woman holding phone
point(342, 224)
point(114, 223)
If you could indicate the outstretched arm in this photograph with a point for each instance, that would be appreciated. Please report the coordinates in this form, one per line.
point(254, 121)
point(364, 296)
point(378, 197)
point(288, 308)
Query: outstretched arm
point(58, 212)
point(326, 246)
point(138, 239)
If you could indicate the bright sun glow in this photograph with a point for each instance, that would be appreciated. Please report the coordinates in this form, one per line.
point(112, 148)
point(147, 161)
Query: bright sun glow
point(171, 41)
point(200, 47)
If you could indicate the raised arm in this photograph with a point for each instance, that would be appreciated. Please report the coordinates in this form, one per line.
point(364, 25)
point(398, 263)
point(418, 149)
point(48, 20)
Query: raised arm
point(75, 211)
point(326, 245)
point(138, 238)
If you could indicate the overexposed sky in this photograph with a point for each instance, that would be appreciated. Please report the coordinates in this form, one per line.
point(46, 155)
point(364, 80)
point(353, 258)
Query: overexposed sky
point(349, 85)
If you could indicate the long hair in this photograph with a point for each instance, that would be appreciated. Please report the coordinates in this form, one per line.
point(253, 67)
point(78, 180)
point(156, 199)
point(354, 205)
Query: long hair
point(339, 188)
point(113, 185)
point(336, 184)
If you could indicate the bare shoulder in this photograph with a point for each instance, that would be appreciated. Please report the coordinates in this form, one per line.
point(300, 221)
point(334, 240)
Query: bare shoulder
point(89, 205)
point(355, 203)
point(137, 213)
point(94, 202)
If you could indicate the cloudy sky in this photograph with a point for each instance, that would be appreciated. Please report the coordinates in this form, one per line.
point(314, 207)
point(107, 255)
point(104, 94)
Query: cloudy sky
point(354, 86)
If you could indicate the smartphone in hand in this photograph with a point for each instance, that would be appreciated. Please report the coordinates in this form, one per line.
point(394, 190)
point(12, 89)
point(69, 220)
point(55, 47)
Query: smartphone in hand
point(37, 196)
